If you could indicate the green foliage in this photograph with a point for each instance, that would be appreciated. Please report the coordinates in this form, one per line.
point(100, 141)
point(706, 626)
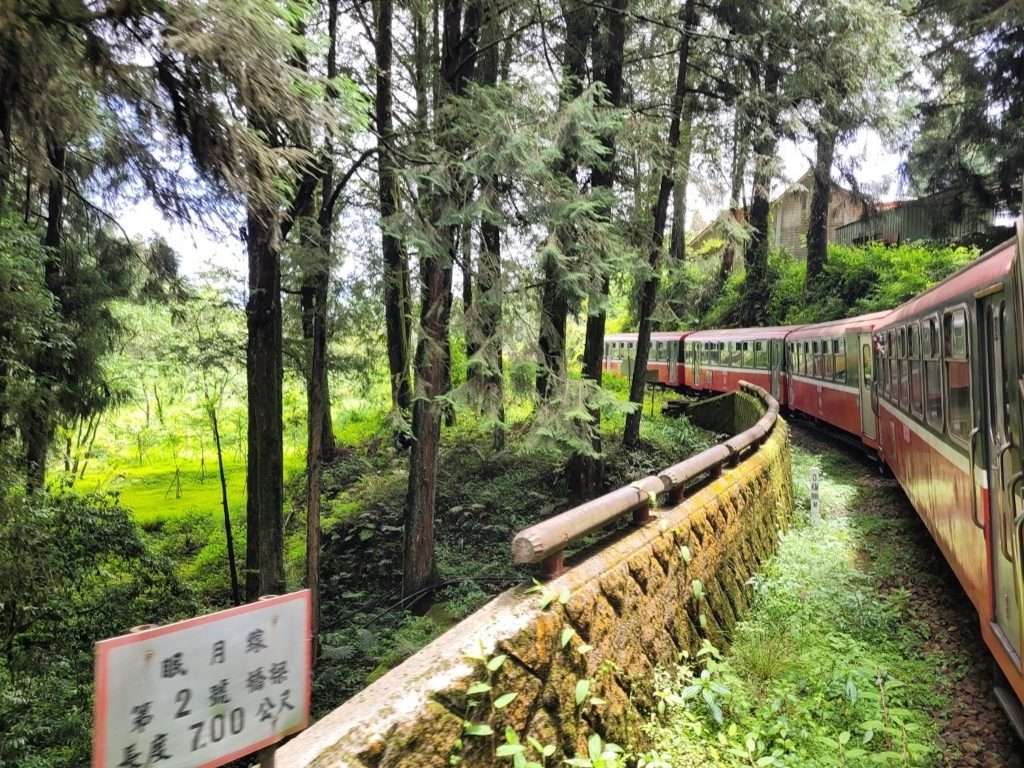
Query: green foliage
point(73, 570)
point(826, 669)
point(856, 280)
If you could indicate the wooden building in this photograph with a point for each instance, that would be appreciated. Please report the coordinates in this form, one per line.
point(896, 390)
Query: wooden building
point(790, 216)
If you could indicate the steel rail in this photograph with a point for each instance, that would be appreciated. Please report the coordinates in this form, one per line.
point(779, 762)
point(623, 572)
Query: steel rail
point(547, 541)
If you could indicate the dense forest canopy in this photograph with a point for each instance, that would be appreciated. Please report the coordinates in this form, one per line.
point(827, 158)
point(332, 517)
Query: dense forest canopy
point(445, 205)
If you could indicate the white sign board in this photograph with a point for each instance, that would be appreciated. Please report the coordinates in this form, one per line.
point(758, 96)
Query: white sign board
point(815, 497)
point(205, 691)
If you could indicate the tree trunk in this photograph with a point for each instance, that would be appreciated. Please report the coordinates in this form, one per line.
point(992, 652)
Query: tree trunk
point(469, 320)
point(6, 141)
point(37, 432)
point(586, 472)
point(489, 287)
point(677, 246)
point(554, 304)
point(396, 268)
point(817, 228)
point(314, 454)
point(754, 310)
point(638, 381)
point(418, 572)
point(236, 595)
point(264, 551)
point(740, 150)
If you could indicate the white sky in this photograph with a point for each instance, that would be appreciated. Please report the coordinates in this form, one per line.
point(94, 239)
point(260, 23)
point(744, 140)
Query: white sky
point(216, 246)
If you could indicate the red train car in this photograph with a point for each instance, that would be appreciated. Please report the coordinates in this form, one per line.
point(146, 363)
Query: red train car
point(949, 425)
point(719, 360)
point(936, 387)
point(664, 360)
point(830, 373)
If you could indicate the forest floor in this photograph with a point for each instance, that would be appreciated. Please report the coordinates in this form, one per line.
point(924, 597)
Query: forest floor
point(483, 498)
point(861, 647)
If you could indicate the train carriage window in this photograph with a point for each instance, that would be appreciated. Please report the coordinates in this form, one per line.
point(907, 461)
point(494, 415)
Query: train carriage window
point(1004, 321)
point(828, 365)
point(893, 390)
point(914, 352)
point(904, 371)
point(958, 375)
point(815, 360)
point(886, 362)
point(659, 351)
point(747, 361)
point(761, 354)
point(839, 355)
point(931, 346)
point(805, 365)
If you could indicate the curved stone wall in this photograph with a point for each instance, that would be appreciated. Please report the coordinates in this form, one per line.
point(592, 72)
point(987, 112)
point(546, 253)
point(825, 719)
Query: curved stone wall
point(578, 653)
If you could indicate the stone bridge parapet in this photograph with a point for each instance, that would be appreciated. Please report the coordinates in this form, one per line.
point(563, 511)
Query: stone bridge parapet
point(579, 651)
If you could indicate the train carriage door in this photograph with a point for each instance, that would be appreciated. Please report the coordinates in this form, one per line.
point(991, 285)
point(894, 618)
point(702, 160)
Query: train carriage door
point(1003, 465)
point(868, 424)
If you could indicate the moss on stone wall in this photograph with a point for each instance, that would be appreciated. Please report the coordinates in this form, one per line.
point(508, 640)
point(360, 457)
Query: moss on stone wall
point(633, 606)
point(727, 414)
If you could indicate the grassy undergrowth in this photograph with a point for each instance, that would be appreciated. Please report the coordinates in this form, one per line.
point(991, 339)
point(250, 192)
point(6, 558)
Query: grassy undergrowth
point(483, 499)
point(829, 668)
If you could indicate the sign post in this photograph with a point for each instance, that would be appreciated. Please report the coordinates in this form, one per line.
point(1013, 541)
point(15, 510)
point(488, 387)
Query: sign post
point(204, 691)
point(815, 497)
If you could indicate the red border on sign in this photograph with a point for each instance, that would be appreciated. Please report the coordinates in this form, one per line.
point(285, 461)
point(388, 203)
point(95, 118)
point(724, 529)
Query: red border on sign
point(104, 647)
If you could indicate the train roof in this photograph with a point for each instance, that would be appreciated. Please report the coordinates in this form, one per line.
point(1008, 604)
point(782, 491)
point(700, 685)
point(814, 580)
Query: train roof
point(743, 334)
point(655, 336)
point(989, 268)
point(866, 322)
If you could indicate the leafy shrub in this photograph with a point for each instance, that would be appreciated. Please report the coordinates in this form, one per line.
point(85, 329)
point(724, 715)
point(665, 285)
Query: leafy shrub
point(856, 280)
point(73, 570)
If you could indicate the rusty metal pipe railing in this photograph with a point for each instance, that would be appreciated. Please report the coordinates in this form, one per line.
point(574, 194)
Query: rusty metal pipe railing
point(546, 541)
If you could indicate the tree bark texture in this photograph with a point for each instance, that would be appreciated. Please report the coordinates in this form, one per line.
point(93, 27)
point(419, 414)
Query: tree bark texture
point(314, 465)
point(677, 244)
point(740, 151)
point(649, 295)
point(554, 303)
point(396, 268)
point(264, 551)
point(755, 300)
point(236, 594)
point(418, 573)
point(489, 284)
point(817, 227)
point(37, 431)
point(586, 472)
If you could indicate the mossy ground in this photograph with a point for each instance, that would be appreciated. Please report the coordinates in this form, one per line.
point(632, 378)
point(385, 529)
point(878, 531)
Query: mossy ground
point(836, 664)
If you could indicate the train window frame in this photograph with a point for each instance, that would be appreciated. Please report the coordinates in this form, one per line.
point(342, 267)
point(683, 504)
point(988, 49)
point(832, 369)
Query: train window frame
point(761, 355)
point(747, 359)
point(893, 390)
point(916, 369)
point(1005, 329)
point(948, 356)
point(839, 372)
point(904, 371)
point(932, 360)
